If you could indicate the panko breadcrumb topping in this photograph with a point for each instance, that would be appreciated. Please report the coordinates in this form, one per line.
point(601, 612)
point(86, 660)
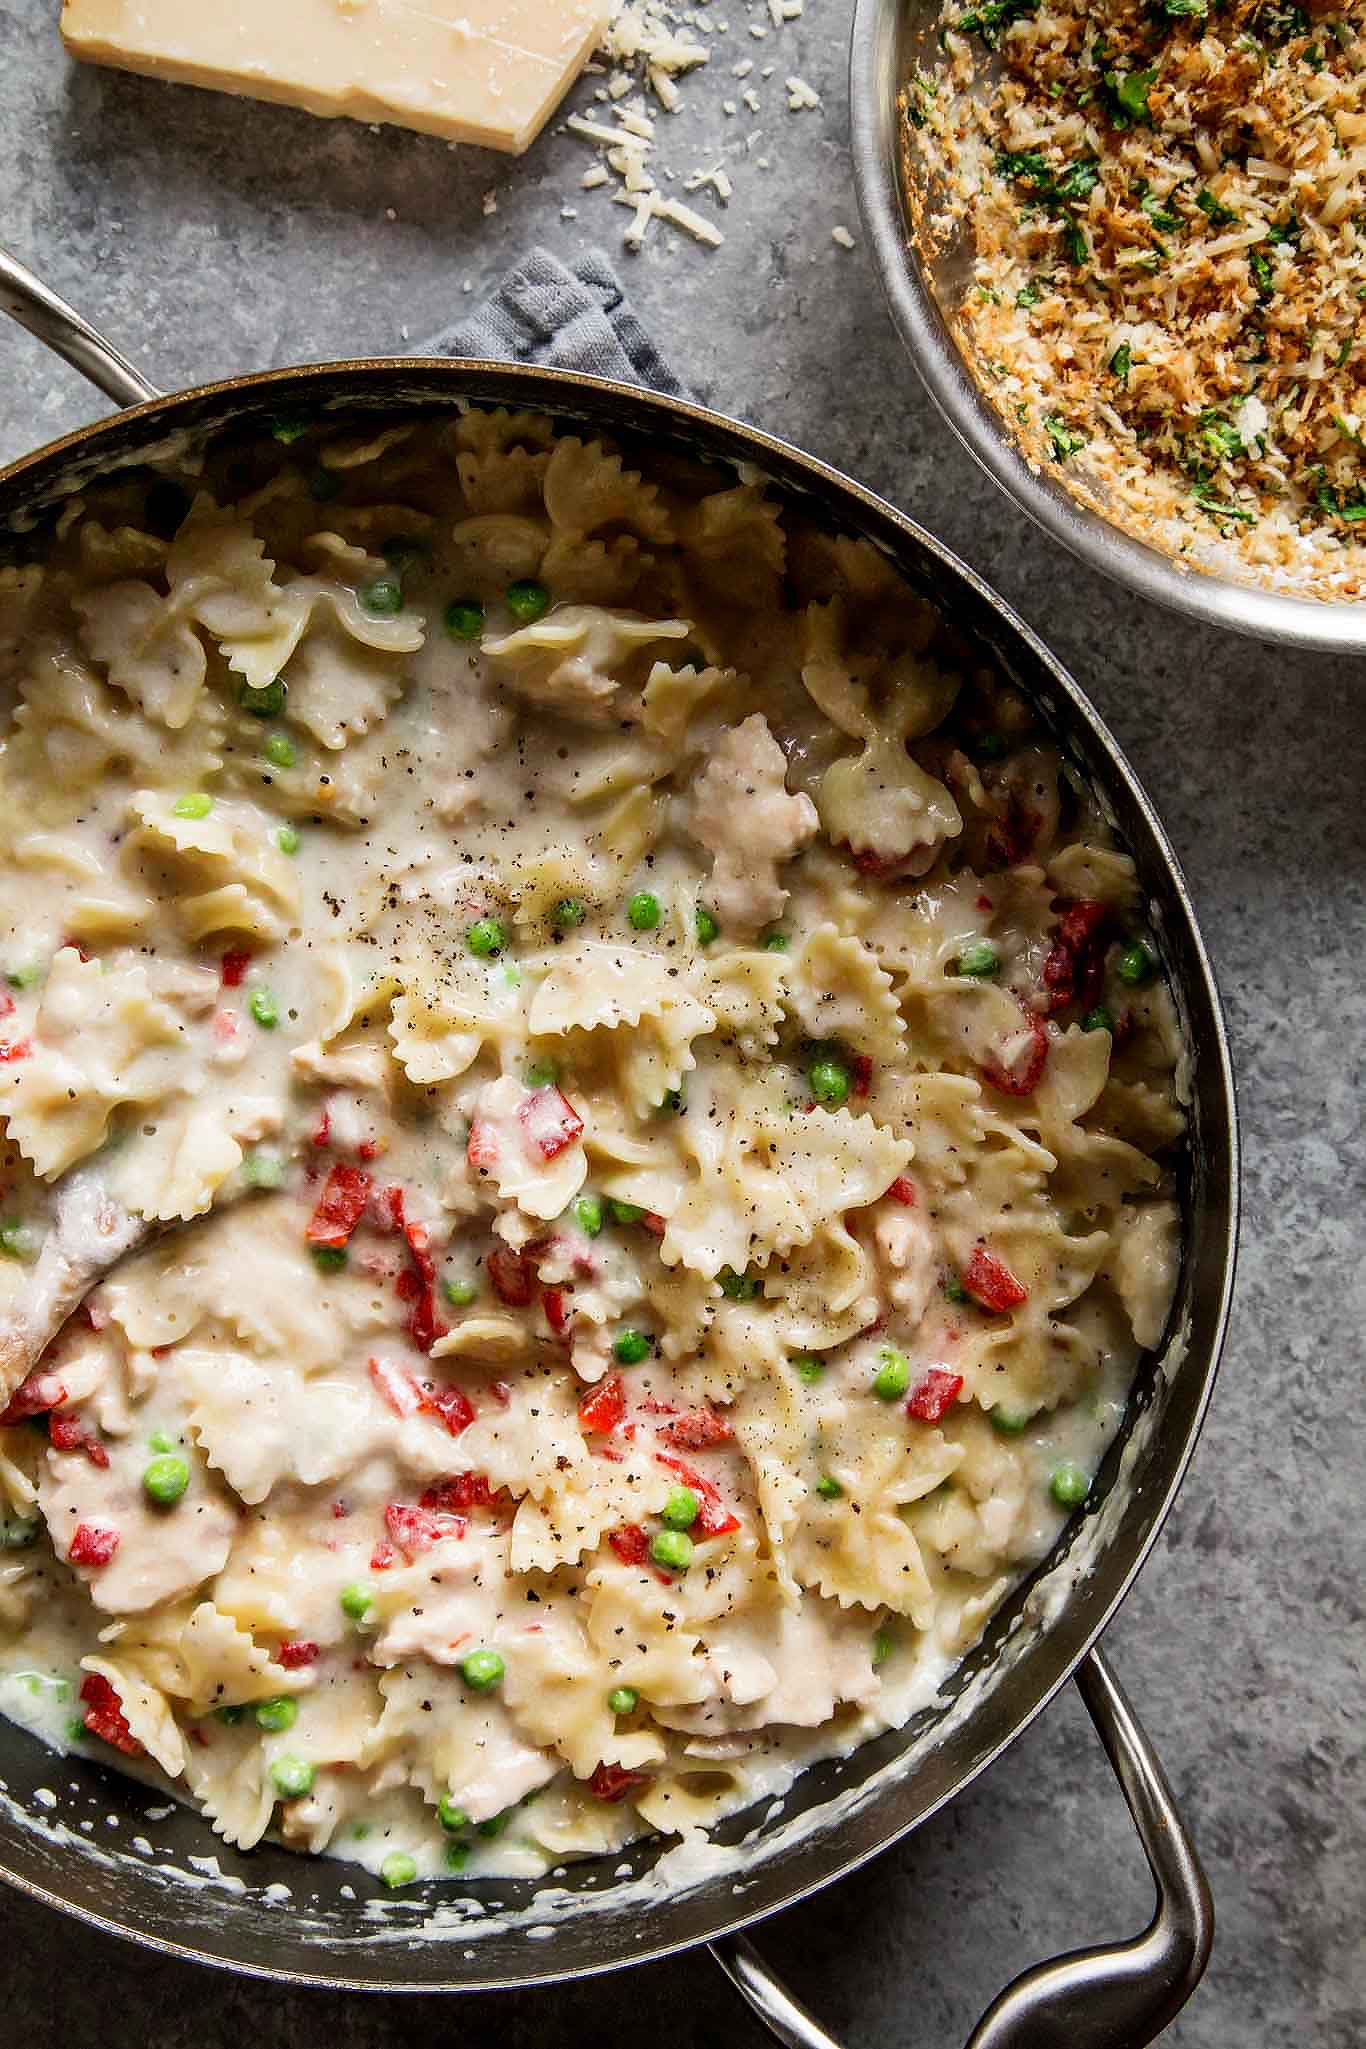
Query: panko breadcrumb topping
point(1167, 200)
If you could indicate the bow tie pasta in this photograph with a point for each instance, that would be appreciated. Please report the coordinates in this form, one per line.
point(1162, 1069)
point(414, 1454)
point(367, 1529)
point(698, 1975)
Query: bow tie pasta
point(667, 1112)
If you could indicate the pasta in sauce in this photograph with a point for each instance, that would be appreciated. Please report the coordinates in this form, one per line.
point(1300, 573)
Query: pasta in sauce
point(666, 1106)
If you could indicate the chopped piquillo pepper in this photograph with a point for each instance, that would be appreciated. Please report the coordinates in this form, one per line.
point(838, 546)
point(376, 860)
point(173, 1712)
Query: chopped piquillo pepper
point(990, 1282)
point(104, 1716)
point(511, 1276)
point(297, 1655)
point(340, 1207)
point(67, 1433)
point(1075, 966)
point(91, 1545)
point(33, 1397)
point(1023, 1075)
point(714, 1519)
point(630, 1543)
point(935, 1396)
point(604, 1408)
point(415, 1530)
point(615, 1781)
point(696, 1431)
point(550, 1121)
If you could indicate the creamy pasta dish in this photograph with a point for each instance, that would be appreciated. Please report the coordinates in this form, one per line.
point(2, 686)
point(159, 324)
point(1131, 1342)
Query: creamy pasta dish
point(597, 1093)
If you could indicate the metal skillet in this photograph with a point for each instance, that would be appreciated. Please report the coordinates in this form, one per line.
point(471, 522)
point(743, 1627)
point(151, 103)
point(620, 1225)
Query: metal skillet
point(840, 1812)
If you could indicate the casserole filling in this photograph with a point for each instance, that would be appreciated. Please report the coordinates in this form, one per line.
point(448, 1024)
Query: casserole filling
point(648, 1107)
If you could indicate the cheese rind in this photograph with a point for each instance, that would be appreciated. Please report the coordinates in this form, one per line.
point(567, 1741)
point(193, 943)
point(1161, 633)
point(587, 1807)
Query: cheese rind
point(483, 71)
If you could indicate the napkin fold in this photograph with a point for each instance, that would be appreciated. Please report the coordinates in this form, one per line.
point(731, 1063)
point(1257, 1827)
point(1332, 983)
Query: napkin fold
point(562, 318)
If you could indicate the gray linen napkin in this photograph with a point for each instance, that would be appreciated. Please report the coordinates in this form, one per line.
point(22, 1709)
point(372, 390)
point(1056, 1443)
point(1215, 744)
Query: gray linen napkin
point(563, 319)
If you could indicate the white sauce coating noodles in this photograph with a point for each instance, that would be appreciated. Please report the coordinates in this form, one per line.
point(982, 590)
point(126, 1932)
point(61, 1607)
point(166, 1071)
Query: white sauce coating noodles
point(668, 1112)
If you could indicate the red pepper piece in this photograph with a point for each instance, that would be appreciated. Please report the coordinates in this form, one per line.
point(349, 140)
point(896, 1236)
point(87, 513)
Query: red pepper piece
point(383, 1556)
point(68, 1433)
point(861, 1067)
point(698, 1430)
point(604, 1408)
point(91, 1545)
point(460, 1492)
point(1021, 1081)
point(1075, 967)
point(104, 1716)
point(6, 1003)
point(558, 1309)
point(630, 1543)
point(415, 1530)
point(233, 968)
point(903, 1191)
point(550, 1121)
point(614, 1782)
point(40, 1392)
point(15, 1049)
point(295, 1656)
point(935, 1396)
point(654, 1223)
point(340, 1206)
point(397, 1387)
point(989, 1281)
point(714, 1519)
point(511, 1276)
point(482, 1149)
point(452, 1405)
point(322, 1130)
point(423, 1327)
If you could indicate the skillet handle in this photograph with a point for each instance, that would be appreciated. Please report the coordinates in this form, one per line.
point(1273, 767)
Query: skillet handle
point(37, 307)
point(1092, 1998)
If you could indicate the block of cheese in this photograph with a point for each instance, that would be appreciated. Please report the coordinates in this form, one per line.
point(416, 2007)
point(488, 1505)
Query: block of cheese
point(485, 71)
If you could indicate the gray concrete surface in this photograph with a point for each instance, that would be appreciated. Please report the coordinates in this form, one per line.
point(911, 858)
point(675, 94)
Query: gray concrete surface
point(210, 236)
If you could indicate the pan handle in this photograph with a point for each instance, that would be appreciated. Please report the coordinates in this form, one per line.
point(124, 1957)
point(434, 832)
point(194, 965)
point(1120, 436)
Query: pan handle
point(1090, 1998)
point(37, 307)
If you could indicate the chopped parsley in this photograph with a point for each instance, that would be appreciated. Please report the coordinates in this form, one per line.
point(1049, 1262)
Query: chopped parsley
point(1122, 362)
point(989, 20)
point(1218, 215)
point(1063, 439)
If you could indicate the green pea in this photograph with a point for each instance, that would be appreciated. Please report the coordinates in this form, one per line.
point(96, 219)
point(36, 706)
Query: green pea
point(828, 1081)
point(76, 1731)
point(197, 804)
point(287, 430)
point(287, 839)
point(18, 1532)
point(457, 1856)
point(450, 1816)
point(360, 1830)
point(264, 1009)
point(1068, 1484)
point(398, 1869)
point(568, 912)
point(542, 1072)
point(464, 619)
point(17, 1241)
point(230, 1716)
point(624, 1212)
point(980, 960)
point(357, 1601)
point(324, 485)
point(277, 1714)
point(884, 1643)
point(1010, 1422)
point(1135, 965)
point(588, 1215)
point(672, 1549)
point(329, 1259)
point(642, 912)
point(953, 1288)
point(291, 1777)
point(404, 551)
point(165, 1479)
point(738, 1287)
point(1098, 1020)
point(829, 1488)
point(263, 1170)
point(705, 926)
point(381, 597)
point(279, 750)
point(630, 1346)
point(774, 940)
point(808, 1368)
point(527, 600)
point(26, 977)
point(893, 1376)
point(682, 1508)
point(459, 1293)
point(496, 1824)
point(267, 702)
point(623, 1700)
point(482, 1670)
point(485, 938)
